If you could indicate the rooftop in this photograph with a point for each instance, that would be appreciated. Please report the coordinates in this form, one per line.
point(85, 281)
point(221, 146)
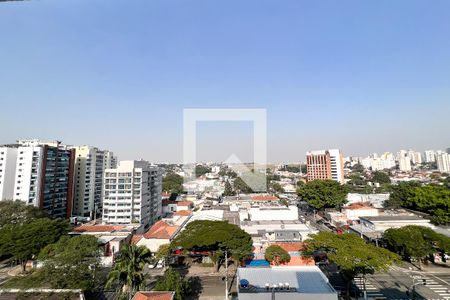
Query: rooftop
point(303, 279)
point(161, 230)
point(394, 218)
point(264, 198)
point(98, 228)
point(154, 296)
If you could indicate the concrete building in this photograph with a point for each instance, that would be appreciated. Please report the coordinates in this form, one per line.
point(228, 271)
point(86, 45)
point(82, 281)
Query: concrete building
point(132, 194)
point(284, 283)
point(8, 157)
point(443, 161)
point(90, 163)
point(44, 176)
point(404, 163)
point(430, 156)
point(325, 164)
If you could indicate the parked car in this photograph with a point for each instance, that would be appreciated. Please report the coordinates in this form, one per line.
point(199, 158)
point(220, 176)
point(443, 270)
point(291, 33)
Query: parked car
point(160, 264)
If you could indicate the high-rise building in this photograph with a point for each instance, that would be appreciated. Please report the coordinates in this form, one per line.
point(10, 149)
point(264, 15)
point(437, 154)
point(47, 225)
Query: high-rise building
point(430, 156)
point(44, 176)
point(443, 161)
point(404, 163)
point(90, 164)
point(325, 164)
point(415, 157)
point(8, 156)
point(132, 194)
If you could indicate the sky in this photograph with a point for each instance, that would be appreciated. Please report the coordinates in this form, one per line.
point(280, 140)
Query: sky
point(362, 76)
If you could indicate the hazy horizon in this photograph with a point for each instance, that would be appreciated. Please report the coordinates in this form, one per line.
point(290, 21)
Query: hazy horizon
point(363, 77)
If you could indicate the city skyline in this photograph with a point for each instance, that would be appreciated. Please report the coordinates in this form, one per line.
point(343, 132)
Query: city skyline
point(362, 77)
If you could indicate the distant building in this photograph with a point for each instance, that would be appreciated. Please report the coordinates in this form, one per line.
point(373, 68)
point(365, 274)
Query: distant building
point(430, 156)
point(8, 157)
point(90, 164)
point(404, 163)
point(443, 161)
point(284, 282)
point(43, 175)
point(132, 194)
point(325, 164)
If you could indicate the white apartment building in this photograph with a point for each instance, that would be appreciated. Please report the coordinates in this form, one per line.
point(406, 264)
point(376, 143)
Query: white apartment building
point(8, 156)
point(376, 163)
point(43, 175)
point(415, 157)
point(132, 194)
point(443, 161)
point(430, 156)
point(90, 163)
point(404, 163)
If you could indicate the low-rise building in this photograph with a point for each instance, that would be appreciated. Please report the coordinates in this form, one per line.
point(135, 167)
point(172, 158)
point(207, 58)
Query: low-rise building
point(286, 283)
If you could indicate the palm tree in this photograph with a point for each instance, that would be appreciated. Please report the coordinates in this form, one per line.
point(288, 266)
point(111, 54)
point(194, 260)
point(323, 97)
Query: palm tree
point(128, 269)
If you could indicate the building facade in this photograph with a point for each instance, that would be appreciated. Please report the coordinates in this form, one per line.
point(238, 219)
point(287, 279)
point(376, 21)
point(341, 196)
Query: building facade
point(325, 164)
point(90, 163)
point(8, 156)
point(132, 194)
point(44, 176)
point(443, 161)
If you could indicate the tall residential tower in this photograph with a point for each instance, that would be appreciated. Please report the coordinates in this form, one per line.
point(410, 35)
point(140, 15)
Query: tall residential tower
point(325, 164)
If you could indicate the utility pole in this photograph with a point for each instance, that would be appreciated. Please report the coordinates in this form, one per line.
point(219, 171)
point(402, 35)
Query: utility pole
point(226, 276)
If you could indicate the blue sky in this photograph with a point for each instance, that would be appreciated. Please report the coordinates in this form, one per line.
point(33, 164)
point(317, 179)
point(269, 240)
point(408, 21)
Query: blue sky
point(363, 76)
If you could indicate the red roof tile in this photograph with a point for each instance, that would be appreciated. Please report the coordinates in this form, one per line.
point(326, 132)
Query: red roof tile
point(182, 213)
point(160, 230)
point(264, 198)
point(357, 205)
point(292, 247)
point(136, 238)
point(154, 296)
point(166, 202)
point(185, 203)
point(98, 228)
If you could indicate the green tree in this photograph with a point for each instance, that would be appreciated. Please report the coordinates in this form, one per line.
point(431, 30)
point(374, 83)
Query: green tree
point(173, 281)
point(241, 186)
point(201, 170)
point(172, 183)
point(72, 262)
point(17, 213)
point(352, 254)
point(323, 193)
point(215, 237)
point(228, 189)
point(277, 255)
point(128, 269)
point(358, 168)
point(24, 241)
point(275, 186)
point(380, 177)
point(304, 168)
point(400, 193)
point(163, 251)
point(416, 242)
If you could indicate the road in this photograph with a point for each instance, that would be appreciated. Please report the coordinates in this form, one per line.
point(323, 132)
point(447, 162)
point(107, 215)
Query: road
point(395, 284)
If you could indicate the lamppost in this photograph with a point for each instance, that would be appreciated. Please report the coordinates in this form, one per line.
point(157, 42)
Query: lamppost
point(413, 287)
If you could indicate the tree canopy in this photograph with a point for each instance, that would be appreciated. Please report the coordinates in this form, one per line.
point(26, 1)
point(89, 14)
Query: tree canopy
point(215, 236)
point(431, 199)
point(351, 253)
point(277, 255)
point(241, 186)
point(228, 189)
point(173, 281)
point(17, 213)
point(172, 183)
point(72, 262)
point(416, 241)
point(323, 193)
point(380, 177)
point(201, 170)
point(128, 269)
point(23, 242)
